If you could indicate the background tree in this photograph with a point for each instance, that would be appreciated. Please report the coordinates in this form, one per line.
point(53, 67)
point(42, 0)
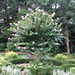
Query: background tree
point(8, 13)
point(66, 14)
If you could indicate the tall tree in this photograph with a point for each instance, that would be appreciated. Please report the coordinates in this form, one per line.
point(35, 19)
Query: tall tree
point(8, 11)
point(66, 12)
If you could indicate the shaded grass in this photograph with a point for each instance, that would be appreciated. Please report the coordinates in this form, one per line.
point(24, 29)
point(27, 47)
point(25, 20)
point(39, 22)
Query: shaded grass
point(2, 54)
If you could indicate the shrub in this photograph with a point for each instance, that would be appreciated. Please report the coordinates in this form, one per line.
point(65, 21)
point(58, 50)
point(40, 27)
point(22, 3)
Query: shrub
point(2, 47)
point(55, 61)
point(61, 72)
point(3, 62)
point(10, 47)
point(41, 70)
point(11, 55)
point(67, 66)
point(71, 61)
point(54, 50)
point(61, 57)
point(20, 60)
point(72, 69)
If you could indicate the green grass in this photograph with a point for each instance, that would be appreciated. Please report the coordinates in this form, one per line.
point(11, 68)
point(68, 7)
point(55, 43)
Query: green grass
point(2, 54)
point(21, 54)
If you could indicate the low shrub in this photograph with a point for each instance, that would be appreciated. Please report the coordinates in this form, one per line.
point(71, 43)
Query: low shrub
point(56, 62)
point(71, 61)
point(61, 57)
point(4, 62)
point(11, 55)
point(72, 69)
point(2, 47)
point(41, 70)
point(20, 60)
point(67, 66)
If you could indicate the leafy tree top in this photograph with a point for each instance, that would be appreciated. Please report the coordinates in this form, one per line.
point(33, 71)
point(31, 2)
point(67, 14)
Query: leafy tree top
point(36, 31)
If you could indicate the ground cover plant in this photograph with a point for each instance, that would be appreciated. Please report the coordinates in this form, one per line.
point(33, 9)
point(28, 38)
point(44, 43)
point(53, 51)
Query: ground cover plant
point(10, 70)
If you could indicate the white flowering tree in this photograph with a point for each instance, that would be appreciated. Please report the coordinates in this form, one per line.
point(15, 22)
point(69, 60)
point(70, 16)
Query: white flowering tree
point(36, 32)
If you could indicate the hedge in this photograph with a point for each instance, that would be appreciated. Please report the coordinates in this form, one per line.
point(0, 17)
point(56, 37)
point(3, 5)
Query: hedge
point(20, 60)
point(41, 70)
point(71, 61)
point(56, 62)
point(67, 66)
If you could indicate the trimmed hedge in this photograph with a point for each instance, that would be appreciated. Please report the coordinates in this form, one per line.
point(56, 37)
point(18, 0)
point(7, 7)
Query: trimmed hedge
point(41, 70)
point(67, 66)
point(72, 69)
point(20, 60)
point(56, 62)
point(71, 61)
point(51, 60)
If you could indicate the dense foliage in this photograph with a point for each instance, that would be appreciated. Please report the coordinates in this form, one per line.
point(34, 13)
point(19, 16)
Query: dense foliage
point(36, 31)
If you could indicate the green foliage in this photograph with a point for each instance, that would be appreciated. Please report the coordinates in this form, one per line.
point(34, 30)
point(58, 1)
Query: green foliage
point(61, 57)
point(66, 14)
point(36, 31)
point(56, 62)
point(4, 62)
point(67, 66)
point(8, 12)
point(20, 60)
point(71, 61)
point(11, 55)
point(10, 47)
point(41, 70)
point(2, 47)
point(72, 69)
point(54, 50)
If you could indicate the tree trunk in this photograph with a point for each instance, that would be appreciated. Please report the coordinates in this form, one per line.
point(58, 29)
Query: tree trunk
point(37, 57)
point(67, 41)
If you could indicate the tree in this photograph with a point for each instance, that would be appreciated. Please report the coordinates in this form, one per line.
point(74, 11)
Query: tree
point(66, 14)
point(36, 32)
point(8, 12)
